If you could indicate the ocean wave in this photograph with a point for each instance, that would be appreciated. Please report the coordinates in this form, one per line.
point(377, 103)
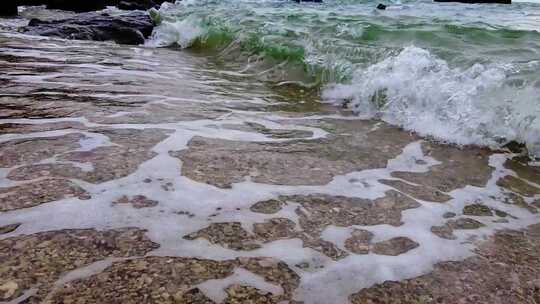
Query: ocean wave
point(480, 105)
point(447, 73)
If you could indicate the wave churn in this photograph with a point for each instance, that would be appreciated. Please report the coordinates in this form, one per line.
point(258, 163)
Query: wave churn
point(443, 70)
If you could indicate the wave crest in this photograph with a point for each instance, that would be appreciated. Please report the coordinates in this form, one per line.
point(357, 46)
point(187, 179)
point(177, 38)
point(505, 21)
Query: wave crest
point(414, 89)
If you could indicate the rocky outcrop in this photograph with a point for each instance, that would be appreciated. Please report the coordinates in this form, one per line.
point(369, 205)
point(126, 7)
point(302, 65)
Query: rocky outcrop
point(10, 7)
point(130, 28)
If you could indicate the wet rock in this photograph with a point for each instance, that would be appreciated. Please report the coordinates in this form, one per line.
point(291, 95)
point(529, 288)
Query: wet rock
point(359, 242)
point(267, 207)
point(500, 213)
point(521, 167)
point(229, 235)
point(503, 272)
point(37, 260)
point(137, 201)
point(23, 151)
point(464, 224)
point(477, 210)
point(239, 294)
point(175, 280)
point(39, 192)
point(394, 246)
point(9, 228)
point(131, 148)
point(447, 215)
point(381, 6)
point(352, 146)
point(518, 185)
point(319, 211)
point(274, 271)
point(21, 128)
point(458, 168)
point(444, 231)
point(419, 192)
point(154, 279)
point(275, 229)
point(327, 248)
point(130, 28)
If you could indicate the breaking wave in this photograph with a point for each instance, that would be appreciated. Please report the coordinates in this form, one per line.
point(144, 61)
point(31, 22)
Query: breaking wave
point(482, 104)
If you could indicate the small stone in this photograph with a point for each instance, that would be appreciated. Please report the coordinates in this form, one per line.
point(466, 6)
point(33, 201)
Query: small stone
point(477, 210)
point(447, 215)
point(500, 213)
point(394, 246)
point(303, 265)
point(267, 207)
point(137, 201)
point(9, 228)
point(359, 241)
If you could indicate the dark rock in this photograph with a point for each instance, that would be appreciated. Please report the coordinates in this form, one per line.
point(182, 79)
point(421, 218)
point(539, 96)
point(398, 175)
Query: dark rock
point(478, 1)
point(131, 28)
point(381, 6)
point(449, 215)
point(9, 228)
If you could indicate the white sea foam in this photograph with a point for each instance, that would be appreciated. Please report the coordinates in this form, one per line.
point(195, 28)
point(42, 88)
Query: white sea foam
point(182, 33)
point(420, 92)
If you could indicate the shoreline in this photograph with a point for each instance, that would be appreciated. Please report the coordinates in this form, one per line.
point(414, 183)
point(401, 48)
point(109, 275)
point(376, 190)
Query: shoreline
point(131, 173)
